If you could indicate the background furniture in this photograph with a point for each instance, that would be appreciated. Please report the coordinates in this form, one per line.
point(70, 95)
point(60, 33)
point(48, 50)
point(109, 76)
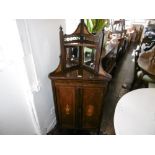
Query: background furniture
point(135, 113)
point(144, 66)
point(79, 83)
point(109, 56)
point(117, 45)
point(119, 32)
point(146, 63)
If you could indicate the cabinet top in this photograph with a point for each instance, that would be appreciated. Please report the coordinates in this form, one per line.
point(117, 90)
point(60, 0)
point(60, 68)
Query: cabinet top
point(79, 74)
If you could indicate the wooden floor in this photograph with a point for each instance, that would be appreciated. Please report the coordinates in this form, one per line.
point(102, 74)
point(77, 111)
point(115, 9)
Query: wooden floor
point(121, 83)
point(123, 76)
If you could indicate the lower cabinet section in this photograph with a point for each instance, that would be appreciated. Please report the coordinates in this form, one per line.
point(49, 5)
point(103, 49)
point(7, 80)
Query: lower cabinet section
point(79, 107)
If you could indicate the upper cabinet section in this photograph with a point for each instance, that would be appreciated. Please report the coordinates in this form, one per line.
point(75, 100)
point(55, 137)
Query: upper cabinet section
point(81, 49)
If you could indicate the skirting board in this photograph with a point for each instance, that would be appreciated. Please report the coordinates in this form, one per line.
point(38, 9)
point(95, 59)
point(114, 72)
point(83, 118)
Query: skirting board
point(52, 125)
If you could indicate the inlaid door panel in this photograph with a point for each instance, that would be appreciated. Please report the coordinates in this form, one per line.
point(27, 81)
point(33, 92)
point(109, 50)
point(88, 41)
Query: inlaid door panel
point(66, 106)
point(92, 104)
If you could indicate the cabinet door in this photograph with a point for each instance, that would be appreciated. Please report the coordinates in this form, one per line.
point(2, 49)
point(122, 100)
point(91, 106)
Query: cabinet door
point(92, 106)
point(66, 106)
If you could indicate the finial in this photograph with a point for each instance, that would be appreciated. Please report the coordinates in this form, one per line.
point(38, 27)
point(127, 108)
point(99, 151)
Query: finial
point(60, 28)
point(82, 21)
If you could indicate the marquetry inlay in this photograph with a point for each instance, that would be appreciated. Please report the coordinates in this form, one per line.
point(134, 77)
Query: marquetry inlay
point(90, 110)
point(67, 109)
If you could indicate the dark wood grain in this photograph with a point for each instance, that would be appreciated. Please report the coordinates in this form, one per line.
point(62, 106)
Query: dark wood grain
point(78, 89)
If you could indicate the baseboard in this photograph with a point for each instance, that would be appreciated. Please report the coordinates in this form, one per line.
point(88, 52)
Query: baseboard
point(51, 126)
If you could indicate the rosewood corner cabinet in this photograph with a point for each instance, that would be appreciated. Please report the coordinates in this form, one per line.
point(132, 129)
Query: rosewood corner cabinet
point(79, 83)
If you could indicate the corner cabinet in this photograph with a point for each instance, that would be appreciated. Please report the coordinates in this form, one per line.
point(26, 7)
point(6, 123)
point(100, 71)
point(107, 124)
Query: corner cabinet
point(79, 83)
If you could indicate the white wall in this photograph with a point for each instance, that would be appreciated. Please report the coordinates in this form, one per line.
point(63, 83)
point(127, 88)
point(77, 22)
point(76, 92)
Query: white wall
point(71, 25)
point(26, 101)
point(16, 116)
point(43, 36)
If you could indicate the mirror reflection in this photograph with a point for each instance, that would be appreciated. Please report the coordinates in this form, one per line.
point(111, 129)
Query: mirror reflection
point(89, 57)
point(72, 56)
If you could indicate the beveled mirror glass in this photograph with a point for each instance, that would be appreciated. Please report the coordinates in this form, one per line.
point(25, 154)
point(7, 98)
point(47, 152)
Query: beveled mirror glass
point(89, 57)
point(72, 56)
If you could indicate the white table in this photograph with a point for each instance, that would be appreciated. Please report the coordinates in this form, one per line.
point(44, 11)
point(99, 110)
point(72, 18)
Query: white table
point(135, 113)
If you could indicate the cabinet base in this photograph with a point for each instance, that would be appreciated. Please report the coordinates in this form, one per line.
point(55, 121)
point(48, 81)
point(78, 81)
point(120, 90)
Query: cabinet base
point(58, 131)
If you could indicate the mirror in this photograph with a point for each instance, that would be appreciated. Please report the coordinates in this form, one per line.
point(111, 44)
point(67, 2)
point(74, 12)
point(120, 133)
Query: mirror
point(72, 56)
point(89, 57)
